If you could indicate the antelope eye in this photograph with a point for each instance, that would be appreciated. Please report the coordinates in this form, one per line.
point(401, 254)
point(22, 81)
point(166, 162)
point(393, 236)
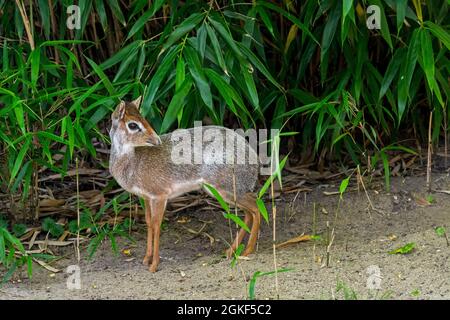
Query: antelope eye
point(133, 126)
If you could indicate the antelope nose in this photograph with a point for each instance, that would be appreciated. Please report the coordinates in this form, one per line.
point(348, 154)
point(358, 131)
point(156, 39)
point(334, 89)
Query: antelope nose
point(155, 141)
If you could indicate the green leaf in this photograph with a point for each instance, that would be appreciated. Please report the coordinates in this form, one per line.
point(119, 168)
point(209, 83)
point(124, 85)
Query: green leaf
point(114, 248)
point(52, 43)
point(401, 148)
point(439, 32)
point(21, 155)
point(47, 224)
point(201, 40)
point(280, 109)
point(345, 23)
point(70, 135)
point(225, 90)
point(229, 94)
point(26, 170)
point(114, 5)
point(157, 79)
point(225, 34)
point(201, 82)
point(237, 220)
point(35, 63)
point(120, 55)
point(266, 19)
point(251, 87)
point(143, 19)
point(252, 284)
point(141, 62)
point(427, 53)
point(347, 5)
point(440, 231)
point(18, 112)
point(262, 209)
point(180, 74)
point(85, 13)
point(288, 16)
point(427, 57)
point(102, 76)
point(19, 229)
point(406, 73)
point(100, 6)
point(330, 29)
point(385, 33)
point(387, 174)
point(94, 243)
point(400, 6)
point(127, 67)
point(218, 197)
point(13, 240)
point(344, 185)
point(5, 56)
point(277, 172)
point(44, 12)
point(391, 71)
point(407, 248)
point(217, 49)
point(237, 254)
point(51, 136)
point(186, 26)
point(2, 247)
point(175, 105)
point(258, 274)
point(260, 66)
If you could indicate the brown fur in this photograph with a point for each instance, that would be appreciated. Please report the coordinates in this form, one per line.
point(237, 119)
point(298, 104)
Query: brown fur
point(141, 163)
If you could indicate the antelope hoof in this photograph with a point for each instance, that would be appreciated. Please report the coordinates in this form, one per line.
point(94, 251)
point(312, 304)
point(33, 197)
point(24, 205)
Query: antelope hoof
point(147, 260)
point(153, 268)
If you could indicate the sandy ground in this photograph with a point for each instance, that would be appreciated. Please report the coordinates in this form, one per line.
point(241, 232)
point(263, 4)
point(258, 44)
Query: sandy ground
point(192, 268)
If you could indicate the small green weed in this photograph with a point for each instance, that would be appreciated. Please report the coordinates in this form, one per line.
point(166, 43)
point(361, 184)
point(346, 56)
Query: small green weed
point(407, 248)
point(259, 274)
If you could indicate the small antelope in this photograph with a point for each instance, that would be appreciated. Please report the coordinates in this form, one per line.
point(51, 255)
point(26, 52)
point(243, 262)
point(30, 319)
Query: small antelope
point(142, 163)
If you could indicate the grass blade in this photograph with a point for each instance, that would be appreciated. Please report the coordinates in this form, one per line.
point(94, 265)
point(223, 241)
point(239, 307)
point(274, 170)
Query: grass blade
point(139, 24)
point(20, 156)
point(102, 76)
point(186, 26)
point(237, 220)
point(157, 79)
point(218, 197)
point(175, 105)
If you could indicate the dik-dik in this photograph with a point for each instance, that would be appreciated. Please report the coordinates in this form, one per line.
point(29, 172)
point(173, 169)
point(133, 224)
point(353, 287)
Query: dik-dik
point(142, 163)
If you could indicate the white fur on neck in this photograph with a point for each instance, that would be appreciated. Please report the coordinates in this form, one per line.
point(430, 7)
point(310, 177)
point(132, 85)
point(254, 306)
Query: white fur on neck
point(121, 148)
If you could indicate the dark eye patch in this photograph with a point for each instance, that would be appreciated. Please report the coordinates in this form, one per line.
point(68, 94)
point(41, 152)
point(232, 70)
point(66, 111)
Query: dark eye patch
point(133, 126)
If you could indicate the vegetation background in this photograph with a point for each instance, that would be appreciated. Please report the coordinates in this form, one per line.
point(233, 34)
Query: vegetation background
point(355, 95)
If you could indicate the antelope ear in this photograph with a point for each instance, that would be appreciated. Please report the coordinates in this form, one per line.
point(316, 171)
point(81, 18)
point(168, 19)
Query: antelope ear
point(137, 102)
point(121, 109)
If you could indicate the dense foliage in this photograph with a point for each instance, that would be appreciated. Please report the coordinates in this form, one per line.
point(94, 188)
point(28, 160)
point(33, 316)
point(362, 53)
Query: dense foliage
point(350, 92)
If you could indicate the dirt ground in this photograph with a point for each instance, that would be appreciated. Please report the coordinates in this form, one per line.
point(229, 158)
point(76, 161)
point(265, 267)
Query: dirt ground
point(192, 268)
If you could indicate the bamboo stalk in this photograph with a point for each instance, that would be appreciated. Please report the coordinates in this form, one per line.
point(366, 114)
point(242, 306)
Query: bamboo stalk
point(445, 137)
point(274, 219)
point(26, 23)
point(430, 123)
point(54, 30)
point(78, 211)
